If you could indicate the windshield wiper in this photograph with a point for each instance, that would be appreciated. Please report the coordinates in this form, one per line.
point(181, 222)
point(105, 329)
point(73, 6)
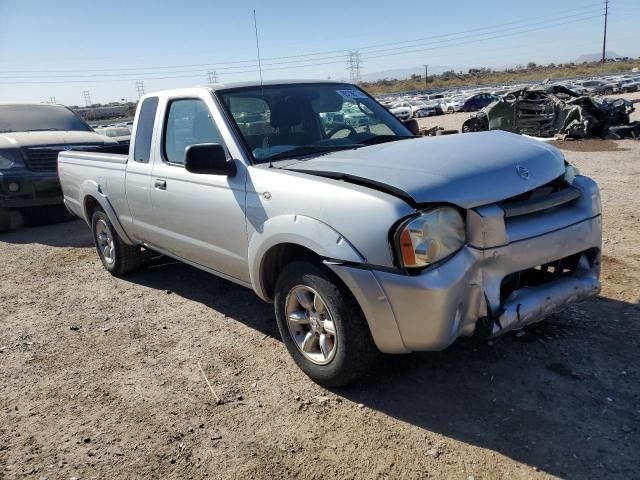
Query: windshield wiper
point(385, 138)
point(310, 150)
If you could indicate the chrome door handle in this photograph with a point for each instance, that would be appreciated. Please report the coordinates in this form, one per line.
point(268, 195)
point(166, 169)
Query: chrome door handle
point(160, 184)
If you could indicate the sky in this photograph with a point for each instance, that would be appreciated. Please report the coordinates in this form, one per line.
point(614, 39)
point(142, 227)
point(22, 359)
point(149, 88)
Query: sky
point(57, 50)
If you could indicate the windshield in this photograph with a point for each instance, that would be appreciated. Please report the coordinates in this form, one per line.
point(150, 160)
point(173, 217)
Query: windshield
point(286, 121)
point(29, 118)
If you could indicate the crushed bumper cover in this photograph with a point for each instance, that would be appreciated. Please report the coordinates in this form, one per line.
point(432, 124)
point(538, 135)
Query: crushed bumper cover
point(430, 310)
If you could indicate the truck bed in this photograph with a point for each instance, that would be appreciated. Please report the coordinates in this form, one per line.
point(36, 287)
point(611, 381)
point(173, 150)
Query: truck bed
point(104, 172)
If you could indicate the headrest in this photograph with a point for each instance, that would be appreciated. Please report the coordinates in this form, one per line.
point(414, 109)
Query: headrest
point(285, 113)
point(327, 101)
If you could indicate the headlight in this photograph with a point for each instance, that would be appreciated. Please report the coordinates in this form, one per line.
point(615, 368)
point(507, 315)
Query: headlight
point(430, 236)
point(5, 162)
point(570, 173)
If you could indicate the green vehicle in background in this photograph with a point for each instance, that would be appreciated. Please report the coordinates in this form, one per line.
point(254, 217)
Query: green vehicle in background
point(550, 110)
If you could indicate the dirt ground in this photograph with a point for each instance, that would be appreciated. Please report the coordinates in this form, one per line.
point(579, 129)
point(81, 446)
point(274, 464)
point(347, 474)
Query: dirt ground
point(100, 377)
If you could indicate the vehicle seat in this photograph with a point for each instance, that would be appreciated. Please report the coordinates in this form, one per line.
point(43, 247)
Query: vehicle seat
point(287, 120)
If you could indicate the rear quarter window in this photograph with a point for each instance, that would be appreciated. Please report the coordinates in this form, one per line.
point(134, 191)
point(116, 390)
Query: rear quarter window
point(144, 131)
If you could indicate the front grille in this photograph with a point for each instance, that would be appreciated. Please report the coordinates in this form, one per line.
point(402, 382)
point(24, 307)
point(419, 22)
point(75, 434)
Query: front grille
point(546, 197)
point(45, 159)
point(40, 160)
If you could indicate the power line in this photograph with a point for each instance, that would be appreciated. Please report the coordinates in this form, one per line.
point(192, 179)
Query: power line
point(584, 11)
point(392, 52)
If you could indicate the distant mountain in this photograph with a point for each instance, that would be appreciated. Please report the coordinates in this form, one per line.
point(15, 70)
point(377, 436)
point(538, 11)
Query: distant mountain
point(403, 73)
point(594, 57)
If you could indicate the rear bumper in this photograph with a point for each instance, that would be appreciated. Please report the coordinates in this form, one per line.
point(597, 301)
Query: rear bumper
point(430, 310)
point(23, 188)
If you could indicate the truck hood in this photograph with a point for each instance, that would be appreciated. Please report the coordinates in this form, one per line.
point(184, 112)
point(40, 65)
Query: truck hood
point(467, 170)
point(35, 139)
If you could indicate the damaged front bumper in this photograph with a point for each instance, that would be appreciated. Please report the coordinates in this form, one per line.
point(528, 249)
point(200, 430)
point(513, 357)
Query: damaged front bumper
point(512, 272)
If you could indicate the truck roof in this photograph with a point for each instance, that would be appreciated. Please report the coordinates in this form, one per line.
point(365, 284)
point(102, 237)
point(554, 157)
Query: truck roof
point(227, 86)
point(257, 83)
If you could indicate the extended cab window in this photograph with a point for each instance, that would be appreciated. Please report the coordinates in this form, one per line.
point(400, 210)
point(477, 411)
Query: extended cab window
point(188, 122)
point(144, 131)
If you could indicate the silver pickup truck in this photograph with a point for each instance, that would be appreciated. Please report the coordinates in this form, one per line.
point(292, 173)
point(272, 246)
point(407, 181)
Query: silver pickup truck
point(366, 238)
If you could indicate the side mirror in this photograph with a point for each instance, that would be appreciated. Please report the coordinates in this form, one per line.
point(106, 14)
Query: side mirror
point(208, 159)
point(412, 124)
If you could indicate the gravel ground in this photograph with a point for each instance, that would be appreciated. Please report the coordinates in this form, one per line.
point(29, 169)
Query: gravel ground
point(100, 375)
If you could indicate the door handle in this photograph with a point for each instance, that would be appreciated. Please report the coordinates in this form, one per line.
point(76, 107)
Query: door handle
point(160, 184)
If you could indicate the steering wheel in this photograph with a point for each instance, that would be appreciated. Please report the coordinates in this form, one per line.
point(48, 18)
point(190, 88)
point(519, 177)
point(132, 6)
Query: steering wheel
point(333, 131)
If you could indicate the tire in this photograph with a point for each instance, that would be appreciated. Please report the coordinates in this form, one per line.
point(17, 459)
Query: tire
point(116, 256)
point(450, 110)
point(352, 352)
point(5, 220)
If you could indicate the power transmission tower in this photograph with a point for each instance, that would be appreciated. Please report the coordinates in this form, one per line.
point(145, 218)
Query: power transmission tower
point(52, 100)
point(140, 88)
point(87, 98)
point(354, 65)
point(604, 39)
point(212, 76)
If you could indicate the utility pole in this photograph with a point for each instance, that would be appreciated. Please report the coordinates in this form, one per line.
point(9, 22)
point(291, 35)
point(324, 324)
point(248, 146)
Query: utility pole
point(604, 39)
point(87, 98)
point(140, 88)
point(426, 74)
point(354, 65)
point(212, 76)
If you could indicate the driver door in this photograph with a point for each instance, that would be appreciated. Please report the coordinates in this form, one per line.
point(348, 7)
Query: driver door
point(200, 218)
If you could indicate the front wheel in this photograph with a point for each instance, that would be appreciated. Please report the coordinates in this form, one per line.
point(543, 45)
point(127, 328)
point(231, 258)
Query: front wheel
point(322, 325)
point(116, 256)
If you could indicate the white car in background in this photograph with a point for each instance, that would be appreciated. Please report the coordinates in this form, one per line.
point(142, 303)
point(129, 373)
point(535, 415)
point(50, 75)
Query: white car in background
point(419, 108)
point(401, 112)
point(453, 104)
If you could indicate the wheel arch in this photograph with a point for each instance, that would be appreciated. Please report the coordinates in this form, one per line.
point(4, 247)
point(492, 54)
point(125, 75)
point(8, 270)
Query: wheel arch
point(92, 199)
point(291, 237)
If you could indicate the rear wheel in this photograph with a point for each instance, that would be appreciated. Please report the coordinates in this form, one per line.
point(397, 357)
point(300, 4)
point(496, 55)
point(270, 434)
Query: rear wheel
point(116, 256)
point(322, 325)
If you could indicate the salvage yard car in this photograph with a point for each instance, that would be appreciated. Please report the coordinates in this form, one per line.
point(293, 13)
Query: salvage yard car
point(366, 239)
point(31, 135)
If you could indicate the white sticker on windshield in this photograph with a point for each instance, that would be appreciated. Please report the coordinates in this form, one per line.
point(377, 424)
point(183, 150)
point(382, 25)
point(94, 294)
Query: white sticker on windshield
point(349, 94)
